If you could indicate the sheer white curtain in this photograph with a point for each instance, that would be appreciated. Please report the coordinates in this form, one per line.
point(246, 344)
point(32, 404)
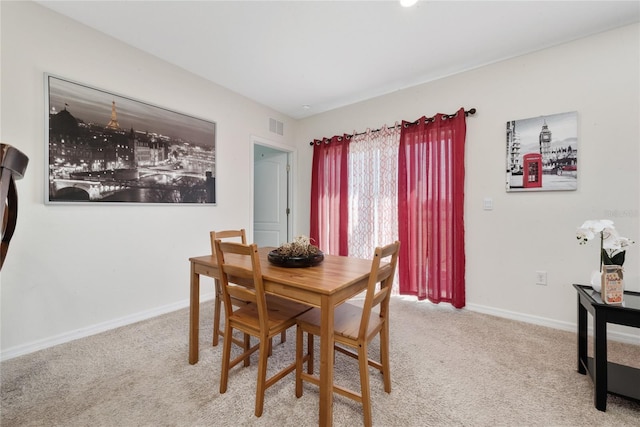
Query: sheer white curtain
point(373, 191)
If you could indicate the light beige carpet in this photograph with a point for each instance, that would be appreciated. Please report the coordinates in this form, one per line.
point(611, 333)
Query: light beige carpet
point(449, 368)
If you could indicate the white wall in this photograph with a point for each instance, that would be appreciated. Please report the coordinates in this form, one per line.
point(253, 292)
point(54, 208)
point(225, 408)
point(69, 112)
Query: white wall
point(599, 78)
point(73, 270)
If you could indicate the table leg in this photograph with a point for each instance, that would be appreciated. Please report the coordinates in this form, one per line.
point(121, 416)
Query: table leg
point(326, 362)
point(194, 316)
point(600, 361)
point(582, 338)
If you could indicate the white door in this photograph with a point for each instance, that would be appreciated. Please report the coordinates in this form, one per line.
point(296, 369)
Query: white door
point(270, 196)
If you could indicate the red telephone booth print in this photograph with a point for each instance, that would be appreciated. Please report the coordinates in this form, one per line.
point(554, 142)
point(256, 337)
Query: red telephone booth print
point(532, 163)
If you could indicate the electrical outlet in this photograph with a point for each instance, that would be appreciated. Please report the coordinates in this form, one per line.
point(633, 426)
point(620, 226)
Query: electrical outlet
point(541, 278)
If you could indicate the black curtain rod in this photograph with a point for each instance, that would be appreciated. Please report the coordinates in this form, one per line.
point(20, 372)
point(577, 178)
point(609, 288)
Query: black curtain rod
point(467, 113)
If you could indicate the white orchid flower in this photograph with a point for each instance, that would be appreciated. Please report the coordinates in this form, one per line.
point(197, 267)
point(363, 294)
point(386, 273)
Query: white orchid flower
point(584, 235)
point(625, 241)
point(610, 238)
point(615, 243)
point(612, 245)
point(597, 225)
point(591, 228)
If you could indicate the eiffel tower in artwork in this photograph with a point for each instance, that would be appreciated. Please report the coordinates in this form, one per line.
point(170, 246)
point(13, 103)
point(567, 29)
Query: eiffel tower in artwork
point(113, 123)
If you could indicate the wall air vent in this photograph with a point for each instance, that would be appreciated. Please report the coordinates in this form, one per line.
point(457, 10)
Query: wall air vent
point(276, 126)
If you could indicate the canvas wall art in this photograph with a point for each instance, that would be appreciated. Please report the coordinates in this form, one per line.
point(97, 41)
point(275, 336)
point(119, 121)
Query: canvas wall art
point(542, 153)
point(108, 148)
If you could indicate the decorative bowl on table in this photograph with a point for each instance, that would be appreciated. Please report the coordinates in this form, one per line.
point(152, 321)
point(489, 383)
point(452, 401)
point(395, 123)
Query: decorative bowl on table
point(299, 253)
point(294, 261)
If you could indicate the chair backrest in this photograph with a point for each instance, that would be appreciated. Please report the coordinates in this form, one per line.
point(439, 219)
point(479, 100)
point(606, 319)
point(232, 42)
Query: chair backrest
point(227, 234)
point(240, 264)
point(382, 274)
point(13, 164)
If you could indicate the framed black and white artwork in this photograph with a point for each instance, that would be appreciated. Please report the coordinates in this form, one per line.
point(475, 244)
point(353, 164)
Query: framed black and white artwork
point(107, 148)
point(542, 153)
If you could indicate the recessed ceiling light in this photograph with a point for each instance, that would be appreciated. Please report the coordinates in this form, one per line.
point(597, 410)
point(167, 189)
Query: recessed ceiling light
point(408, 3)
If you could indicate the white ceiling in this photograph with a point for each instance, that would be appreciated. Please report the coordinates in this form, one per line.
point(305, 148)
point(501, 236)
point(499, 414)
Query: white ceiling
point(327, 54)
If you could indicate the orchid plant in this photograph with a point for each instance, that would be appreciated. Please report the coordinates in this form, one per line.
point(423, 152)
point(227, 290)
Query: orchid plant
point(612, 245)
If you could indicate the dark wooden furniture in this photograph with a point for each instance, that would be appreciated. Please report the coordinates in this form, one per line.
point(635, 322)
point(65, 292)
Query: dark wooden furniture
point(607, 376)
point(13, 164)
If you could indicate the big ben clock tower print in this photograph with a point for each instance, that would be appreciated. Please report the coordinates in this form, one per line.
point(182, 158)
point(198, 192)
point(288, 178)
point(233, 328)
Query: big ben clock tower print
point(542, 153)
point(545, 143)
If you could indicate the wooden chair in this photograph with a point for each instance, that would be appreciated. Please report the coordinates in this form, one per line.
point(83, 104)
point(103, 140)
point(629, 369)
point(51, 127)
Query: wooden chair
point(355, 327)
point(217, 331)
point(225, 234)
point(262, 317)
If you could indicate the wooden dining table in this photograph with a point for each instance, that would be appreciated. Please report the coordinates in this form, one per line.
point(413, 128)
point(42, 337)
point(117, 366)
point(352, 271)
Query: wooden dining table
point(325, 286)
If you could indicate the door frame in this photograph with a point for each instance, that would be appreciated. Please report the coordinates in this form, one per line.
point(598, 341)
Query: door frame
point(292, 159)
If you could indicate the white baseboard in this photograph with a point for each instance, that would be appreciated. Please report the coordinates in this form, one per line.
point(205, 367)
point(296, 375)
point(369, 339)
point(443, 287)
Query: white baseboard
point(620, 336)
point(127, 320)
point(33, 346)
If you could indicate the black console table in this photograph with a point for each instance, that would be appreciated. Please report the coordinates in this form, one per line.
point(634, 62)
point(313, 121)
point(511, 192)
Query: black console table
point(607, 376)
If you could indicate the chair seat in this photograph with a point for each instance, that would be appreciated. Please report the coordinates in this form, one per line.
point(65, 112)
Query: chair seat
point(280, 311)
point(346, 322)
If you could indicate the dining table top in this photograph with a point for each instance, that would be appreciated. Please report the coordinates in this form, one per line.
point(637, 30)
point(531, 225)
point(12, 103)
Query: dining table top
point(333, 275)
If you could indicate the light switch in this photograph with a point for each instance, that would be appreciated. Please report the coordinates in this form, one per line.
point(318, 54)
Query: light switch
point(487, 204)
